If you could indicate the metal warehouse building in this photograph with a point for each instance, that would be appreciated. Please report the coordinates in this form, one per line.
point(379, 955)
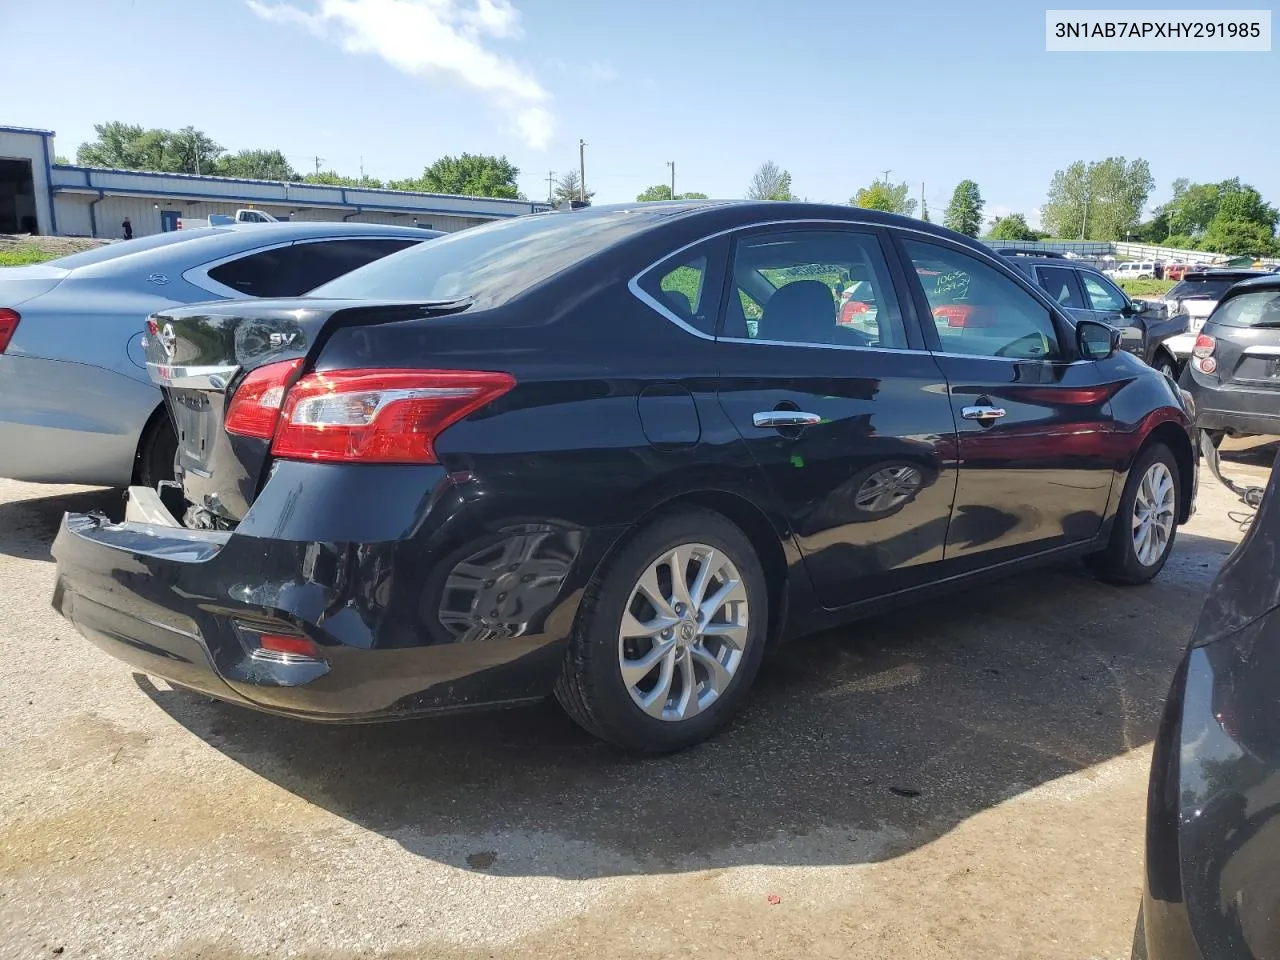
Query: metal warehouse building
point(39, 196)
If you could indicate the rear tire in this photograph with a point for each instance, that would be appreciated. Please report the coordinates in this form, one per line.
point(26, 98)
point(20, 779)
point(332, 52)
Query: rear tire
point(1146, 522)
point(1168, 366)
point(704, 656)
point(157, 453)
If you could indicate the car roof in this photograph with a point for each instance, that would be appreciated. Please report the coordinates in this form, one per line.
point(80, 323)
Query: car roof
point(1222, 273)
point(1260, 281)
point(736, 214)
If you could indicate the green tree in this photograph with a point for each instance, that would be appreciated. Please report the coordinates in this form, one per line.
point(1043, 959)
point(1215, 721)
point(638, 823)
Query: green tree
point(1012, 226)
point(964, 212)
point(568, 188)
point(1179, 241)
point(770, 182)
point(1155, 229)
point(331, 178)
point(125, 146)
point(256, 165)
point(1102, 200)
point(1193, 205)
point(1243, 224)
point(60, 159)
point(886, 196)
point(468, 175)
point(662, 191)
point(190, 151)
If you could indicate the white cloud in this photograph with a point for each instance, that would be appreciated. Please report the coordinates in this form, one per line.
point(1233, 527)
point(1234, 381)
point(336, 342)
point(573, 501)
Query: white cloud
point(425, 37)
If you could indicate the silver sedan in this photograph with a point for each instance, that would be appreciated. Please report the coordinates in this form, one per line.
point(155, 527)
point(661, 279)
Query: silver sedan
point(76, 405)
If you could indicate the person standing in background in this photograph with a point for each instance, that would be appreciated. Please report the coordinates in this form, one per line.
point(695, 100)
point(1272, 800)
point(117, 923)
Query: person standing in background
point(128, 229)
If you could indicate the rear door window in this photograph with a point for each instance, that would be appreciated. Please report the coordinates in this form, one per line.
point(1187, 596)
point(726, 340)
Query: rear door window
point(1060, 283)
point(824, 287)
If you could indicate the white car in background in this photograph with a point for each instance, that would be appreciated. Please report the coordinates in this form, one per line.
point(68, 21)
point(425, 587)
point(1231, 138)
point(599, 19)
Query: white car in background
point(1144, 270)
point(1195, 296)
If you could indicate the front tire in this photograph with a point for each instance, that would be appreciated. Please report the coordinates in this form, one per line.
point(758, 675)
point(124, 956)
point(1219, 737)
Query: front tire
point(670, 635)
point(1146, 522)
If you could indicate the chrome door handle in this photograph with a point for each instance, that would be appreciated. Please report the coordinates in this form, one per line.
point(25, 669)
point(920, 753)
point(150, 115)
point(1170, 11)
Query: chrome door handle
point(982, 413)
point(785, 418)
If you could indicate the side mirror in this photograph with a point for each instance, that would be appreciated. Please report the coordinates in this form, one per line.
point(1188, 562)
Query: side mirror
point(1096, 341)
point(1137, 306)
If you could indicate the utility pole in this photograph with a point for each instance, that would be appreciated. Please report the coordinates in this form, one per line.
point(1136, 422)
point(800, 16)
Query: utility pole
point(551, 178)
point(922, 207)
point(886, 175)
point(318, 159)
point(1084, 217)
point(362, 171)
point(672, 165)
point(582, 170)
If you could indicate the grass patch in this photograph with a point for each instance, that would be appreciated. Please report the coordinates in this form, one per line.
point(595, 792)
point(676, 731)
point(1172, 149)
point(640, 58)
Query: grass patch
point(1146, 288)
point(21, 255)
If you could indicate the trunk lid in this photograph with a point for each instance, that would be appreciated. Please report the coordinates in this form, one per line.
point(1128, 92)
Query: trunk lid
point(199, 355)
point(20, 284)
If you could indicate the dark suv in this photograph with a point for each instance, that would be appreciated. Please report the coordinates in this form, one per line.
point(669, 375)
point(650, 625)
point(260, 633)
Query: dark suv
point(1089, 295)
point(1234, 373)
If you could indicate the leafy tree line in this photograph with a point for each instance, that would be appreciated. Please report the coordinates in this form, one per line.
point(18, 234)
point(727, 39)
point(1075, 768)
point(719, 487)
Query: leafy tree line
point(129, 146)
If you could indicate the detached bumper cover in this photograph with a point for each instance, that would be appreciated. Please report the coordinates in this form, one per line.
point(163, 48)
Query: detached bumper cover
point(400, 630)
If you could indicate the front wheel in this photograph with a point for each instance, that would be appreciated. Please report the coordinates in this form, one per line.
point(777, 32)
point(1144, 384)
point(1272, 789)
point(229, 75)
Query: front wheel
point(1146, 522)
point(669, 640)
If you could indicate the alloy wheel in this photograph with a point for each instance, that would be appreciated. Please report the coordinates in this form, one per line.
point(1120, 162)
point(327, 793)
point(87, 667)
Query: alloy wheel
point(683, 632)
point(1153, 514)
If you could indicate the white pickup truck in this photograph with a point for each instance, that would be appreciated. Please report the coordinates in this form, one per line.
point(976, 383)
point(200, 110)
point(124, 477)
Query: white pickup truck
point(221, 219)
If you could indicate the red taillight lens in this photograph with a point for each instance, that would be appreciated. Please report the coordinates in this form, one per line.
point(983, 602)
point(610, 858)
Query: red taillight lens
point(290, 646)
point(379, 416)
point(255, 406)
point(1205, 345)
point(8, 324)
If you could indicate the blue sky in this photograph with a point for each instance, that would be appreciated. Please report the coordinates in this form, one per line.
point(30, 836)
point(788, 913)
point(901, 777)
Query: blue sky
point(833, 91)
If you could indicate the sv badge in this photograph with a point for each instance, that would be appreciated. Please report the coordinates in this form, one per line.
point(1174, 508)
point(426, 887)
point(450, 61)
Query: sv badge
point(282, 339)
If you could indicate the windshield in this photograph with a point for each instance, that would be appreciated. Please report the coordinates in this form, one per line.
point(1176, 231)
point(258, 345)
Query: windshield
point(493, 262)
point(124, 248)
point(1199, 289)
point(1261, 309)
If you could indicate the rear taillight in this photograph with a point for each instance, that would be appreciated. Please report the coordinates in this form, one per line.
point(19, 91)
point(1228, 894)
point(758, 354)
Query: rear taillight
point(1202, 354)
point(8, 324)
point(255, 406)
point(379, 416)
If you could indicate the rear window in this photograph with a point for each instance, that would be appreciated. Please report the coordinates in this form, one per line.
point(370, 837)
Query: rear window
point(125, 248)
point(1261, 309)
point(1199, 289)
point(493, 262)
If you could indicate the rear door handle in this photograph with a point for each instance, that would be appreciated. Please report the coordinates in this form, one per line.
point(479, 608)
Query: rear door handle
point(785, 418)
point(982, 412)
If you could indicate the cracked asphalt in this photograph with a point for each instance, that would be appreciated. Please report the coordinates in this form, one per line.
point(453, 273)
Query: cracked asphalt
point(963, 778)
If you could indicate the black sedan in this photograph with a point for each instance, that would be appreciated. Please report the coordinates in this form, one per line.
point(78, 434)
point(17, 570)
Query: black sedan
point(1213, 808)
point(615, 453)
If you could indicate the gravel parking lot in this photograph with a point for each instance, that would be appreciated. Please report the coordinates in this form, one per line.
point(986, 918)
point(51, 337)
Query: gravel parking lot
point(963, 779)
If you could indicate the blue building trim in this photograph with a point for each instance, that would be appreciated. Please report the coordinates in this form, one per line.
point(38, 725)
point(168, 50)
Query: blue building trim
point(526, 206)
point(301, 204)
point(48, 176)
point(93, 214)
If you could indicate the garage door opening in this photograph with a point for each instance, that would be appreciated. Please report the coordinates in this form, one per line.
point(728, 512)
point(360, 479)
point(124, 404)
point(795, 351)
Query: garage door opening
point(17, 197)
